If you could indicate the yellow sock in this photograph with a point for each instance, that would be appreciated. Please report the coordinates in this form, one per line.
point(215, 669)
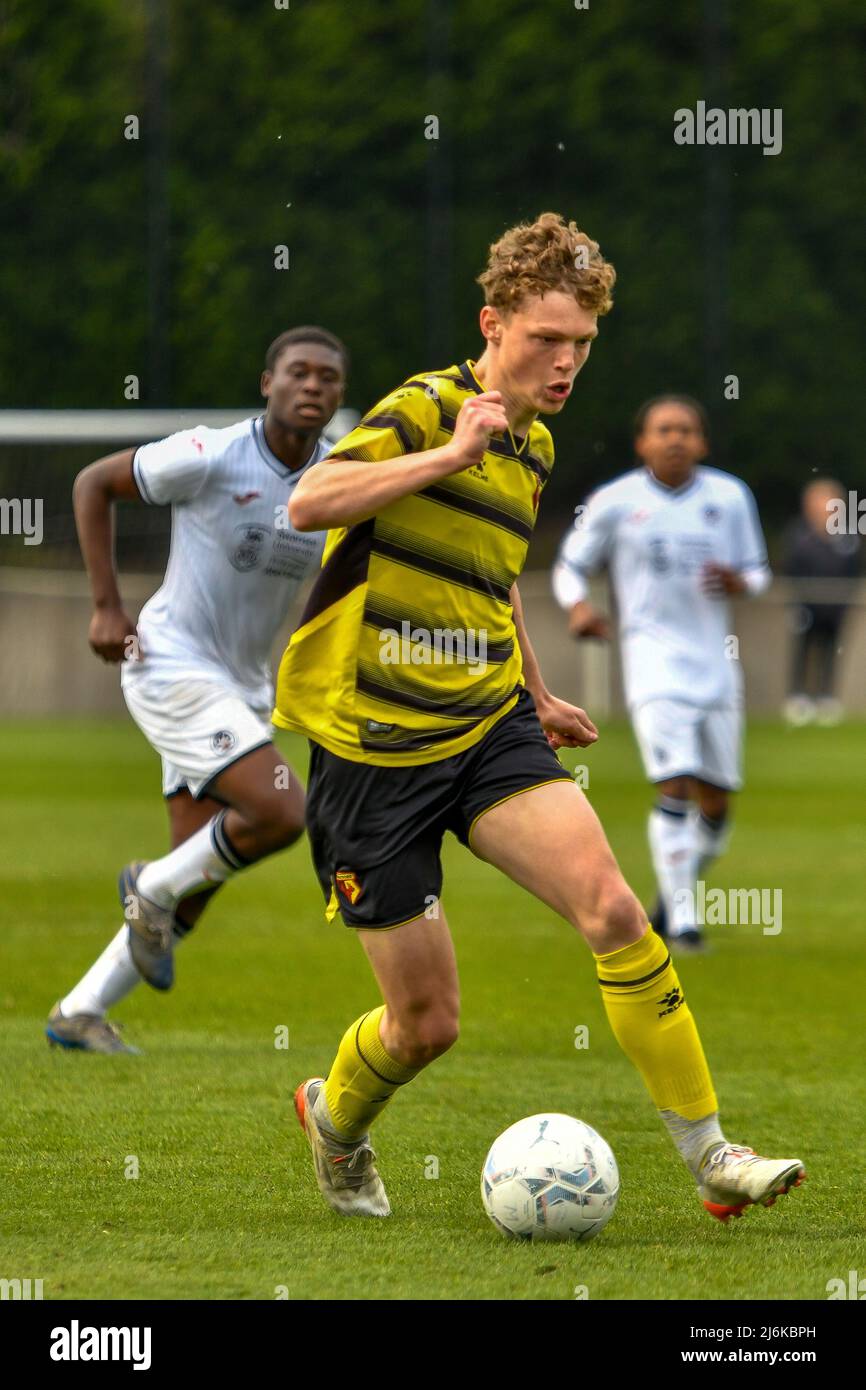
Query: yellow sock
point(363, 1077)
point(654, 1026)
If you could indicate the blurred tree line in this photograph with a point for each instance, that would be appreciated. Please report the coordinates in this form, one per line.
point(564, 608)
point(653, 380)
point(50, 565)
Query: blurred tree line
point(305, 126)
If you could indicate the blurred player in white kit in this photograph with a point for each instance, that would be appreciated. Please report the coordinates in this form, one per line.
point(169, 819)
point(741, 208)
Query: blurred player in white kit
point(679, 539)
point(196, 671)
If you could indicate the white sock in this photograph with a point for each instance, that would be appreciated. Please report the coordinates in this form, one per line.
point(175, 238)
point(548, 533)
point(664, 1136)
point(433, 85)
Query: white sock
point(208, 856)
point(109, 979)
point(675, 860)
point(694, 1138)
point(711, 837)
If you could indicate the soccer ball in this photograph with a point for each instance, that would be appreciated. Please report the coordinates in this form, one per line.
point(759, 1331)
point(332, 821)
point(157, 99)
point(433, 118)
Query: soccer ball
point(550, 1177)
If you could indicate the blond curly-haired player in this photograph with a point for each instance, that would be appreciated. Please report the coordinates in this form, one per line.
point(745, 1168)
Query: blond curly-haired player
point(430, 503)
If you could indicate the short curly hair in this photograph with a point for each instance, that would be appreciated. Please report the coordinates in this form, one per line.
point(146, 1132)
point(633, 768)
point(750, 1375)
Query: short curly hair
point(308, 333)
point(534, 258)
point(672, 398)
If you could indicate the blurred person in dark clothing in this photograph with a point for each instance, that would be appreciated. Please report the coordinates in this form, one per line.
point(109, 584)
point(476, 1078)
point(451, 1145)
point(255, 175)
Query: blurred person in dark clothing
point(815, 549)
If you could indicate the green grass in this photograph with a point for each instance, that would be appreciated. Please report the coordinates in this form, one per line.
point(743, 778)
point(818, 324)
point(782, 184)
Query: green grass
point(226, 1206)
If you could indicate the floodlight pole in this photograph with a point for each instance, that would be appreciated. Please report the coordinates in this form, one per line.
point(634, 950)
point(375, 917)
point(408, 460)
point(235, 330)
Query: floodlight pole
point(717, 232)
point(440, 192)
point(157, 385)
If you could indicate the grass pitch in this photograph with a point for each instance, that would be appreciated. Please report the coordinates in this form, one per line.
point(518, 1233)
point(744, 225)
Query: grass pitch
point(225, 1203)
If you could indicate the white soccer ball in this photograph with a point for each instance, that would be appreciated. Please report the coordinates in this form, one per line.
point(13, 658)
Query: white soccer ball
point(550, 1177)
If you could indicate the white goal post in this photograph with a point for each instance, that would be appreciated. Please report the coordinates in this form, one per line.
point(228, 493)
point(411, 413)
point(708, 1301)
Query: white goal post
point(117, 426)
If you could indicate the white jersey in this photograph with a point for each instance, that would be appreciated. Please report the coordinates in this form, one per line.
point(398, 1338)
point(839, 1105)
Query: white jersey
point(236, 561)
point(656, 541)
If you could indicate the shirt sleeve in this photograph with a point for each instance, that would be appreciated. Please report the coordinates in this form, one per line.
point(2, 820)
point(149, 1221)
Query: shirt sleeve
point(172, 469)
point(404, 422)
point(584, 551)
point(750, 546)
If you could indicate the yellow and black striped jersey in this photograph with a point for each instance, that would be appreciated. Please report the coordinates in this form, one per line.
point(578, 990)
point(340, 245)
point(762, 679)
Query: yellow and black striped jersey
point(406, 652)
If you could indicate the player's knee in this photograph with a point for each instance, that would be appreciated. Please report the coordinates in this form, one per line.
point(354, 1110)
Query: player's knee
point(615, 918)
point(289, 825)
point(428, 1035)
point(676, 787)
point(714, 803)
point(278, 822)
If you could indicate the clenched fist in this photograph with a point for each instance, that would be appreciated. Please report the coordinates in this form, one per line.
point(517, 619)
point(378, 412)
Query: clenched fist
point(479, 418)
point(113, 635)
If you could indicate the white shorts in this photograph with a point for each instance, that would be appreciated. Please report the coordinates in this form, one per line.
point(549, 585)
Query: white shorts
point(197, 726)
point(677, 739)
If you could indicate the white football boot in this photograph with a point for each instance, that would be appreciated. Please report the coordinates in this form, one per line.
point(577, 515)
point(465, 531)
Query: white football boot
point(733, 1177)
point(346, 1173)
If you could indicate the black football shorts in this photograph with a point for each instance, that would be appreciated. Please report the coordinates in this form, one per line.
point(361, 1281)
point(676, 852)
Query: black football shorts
point(376, 832)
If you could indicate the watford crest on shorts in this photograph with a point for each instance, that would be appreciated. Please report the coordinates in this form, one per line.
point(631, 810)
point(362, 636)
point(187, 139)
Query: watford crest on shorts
point(348, 885)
